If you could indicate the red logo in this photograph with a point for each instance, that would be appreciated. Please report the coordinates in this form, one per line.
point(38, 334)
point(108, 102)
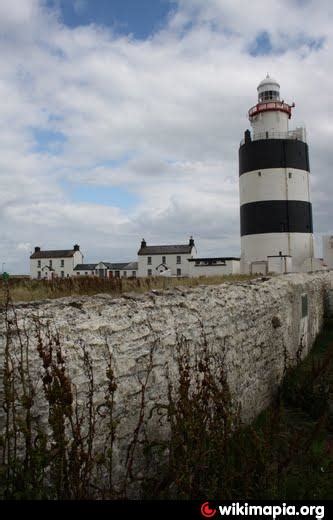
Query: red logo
point(206, 511)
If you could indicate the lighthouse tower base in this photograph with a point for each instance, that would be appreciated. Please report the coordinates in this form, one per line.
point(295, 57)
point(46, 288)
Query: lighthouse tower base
point(280, 264)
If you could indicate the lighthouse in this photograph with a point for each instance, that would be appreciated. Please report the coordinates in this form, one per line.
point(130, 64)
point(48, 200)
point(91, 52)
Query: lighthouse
point(275, 209)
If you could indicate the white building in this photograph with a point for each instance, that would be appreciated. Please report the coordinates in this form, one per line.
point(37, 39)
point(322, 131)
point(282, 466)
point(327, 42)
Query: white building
point(328, 251)
point(108, 270)
point(155, 260)
point(54, 264)
point(219, 266)
point(274, 185)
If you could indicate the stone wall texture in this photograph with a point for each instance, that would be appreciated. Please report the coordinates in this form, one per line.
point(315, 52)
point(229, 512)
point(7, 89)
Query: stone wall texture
point(259, 327)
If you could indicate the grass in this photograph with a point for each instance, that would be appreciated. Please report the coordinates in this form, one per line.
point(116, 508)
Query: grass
point(285, 454)
point(22, 290)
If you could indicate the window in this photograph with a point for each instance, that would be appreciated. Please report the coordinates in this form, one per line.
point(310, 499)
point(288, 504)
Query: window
point(124, 274)
point(78, 274)
point(134, 274)
point(197, 262)
point(149, 260)
point(117, 274)
point(149, 272)
point(269, 95)
point(50, 263)
point(179, 272)
point(62, 274)
point(290, 175)
point(39, 274)
point(163, 260)
point(179, 259)
point(62, 263)
point(259, 174)
point(38, 263)
point(67, 275)
point(86, 274)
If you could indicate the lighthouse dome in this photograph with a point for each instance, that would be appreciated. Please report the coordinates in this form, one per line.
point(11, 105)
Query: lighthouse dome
point(268, 89)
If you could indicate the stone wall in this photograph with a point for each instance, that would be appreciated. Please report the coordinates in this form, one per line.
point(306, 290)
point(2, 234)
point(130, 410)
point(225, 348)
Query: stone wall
point(258, 328)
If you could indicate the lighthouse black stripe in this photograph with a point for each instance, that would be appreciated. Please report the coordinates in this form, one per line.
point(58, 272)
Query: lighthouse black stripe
point(276, 216)
point(273, 153)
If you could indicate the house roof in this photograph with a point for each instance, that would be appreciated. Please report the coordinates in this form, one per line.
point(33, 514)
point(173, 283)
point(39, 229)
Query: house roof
point(84, 267)
point(119, 266)
point(62, 253)
point(132, 266)
point(165, 250)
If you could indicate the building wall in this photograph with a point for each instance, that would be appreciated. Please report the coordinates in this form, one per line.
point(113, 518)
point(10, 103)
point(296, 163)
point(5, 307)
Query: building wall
point(258, 247)
point(328, 250)
point(231, 267)
point(274, 184)
point(69, 264)
point(279, 264)
point(123, 273)
point(171, 263)
point(84, 273)
point(270, 121)
point(256, 329)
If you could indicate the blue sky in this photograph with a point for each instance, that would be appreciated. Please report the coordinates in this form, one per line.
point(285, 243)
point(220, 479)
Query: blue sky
point(139, 18)
point(122, 119)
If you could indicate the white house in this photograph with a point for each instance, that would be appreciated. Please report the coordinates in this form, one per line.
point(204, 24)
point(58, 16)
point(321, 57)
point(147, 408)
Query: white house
point(154, 260)
point(108, 270)
point(55, 263)
point(213, 266)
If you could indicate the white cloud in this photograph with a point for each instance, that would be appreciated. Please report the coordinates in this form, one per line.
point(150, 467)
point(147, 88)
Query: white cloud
point(167, 112)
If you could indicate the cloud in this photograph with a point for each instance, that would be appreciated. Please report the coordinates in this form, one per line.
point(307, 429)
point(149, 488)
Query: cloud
point(159, 119)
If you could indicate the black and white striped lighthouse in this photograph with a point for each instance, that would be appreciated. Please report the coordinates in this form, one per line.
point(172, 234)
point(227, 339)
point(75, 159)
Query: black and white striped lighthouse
point(275, 207)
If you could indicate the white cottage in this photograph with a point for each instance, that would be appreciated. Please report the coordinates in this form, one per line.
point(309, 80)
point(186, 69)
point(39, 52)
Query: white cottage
point(156, 260)
point(55, 263)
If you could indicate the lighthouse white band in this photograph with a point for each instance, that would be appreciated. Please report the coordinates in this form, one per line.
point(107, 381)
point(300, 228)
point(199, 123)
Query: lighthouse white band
point(274, 184)
point(258, 247)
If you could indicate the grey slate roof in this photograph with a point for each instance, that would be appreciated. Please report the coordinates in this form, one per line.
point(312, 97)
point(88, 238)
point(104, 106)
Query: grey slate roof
point(165, 250)
point(132, 266)
point(84, 267)
point(117, 266)
point(65, 253)
point(120, 266)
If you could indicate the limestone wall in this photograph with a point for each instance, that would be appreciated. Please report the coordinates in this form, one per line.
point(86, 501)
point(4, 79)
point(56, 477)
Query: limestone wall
point(257, 327)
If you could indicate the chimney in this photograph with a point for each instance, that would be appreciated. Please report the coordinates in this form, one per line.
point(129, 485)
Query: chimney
point(37, 249)
point(76, 247)
point(191, 242)
point(143, 243)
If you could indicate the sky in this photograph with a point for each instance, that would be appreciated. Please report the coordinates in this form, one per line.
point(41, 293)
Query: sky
point(121, 119)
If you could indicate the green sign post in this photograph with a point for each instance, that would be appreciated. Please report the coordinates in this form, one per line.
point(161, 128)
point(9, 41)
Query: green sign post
point(5, 277)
